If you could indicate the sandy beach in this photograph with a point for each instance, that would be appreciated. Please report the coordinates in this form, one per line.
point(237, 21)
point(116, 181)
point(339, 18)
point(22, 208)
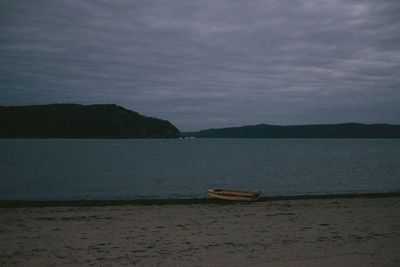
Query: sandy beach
point(297, 232)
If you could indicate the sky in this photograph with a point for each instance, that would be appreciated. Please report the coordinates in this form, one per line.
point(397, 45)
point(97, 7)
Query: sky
point(207, 63)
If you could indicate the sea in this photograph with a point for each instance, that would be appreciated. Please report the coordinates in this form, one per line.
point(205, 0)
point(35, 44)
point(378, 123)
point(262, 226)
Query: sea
point(125, 169)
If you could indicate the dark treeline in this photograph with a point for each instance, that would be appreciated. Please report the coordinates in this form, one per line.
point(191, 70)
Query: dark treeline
point(343, 130)
point(81, 121)
point(112, 121)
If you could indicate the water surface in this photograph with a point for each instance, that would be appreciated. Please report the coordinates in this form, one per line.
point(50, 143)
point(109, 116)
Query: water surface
point(64, 169)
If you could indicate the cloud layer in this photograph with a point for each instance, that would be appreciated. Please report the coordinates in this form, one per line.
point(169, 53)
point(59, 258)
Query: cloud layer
point(207, 63)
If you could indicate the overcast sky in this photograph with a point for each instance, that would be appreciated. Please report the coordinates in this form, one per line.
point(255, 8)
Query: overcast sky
point(207, 63)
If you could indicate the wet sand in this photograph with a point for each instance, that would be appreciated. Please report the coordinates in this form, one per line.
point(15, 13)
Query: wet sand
point(297, 232)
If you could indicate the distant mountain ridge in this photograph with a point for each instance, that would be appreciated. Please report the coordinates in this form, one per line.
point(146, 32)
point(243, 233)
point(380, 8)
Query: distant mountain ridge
point(341, 130)
point(80, 121)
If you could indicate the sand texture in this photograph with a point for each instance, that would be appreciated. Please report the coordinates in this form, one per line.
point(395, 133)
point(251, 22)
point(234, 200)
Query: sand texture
point(314, 232)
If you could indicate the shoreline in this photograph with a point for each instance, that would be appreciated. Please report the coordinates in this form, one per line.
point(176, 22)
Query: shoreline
point(177, 201)
point(355, 230)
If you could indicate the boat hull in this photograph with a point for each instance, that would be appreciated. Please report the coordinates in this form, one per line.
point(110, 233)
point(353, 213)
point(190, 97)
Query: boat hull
point(233, 195)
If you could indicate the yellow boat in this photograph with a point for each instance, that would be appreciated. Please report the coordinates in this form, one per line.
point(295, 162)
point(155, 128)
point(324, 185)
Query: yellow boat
point(234, 194)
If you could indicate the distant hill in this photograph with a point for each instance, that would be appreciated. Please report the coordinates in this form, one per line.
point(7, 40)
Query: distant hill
point(80, 121)
point(343, 130)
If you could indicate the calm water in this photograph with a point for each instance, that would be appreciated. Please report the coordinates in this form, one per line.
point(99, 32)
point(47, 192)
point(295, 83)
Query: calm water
point(127, 169)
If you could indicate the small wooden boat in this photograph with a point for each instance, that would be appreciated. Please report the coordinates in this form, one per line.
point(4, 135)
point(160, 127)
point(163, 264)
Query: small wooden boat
point(234, 195)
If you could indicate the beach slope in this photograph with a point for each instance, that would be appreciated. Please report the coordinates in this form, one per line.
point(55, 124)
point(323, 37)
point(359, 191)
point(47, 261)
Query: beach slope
point(302, 232)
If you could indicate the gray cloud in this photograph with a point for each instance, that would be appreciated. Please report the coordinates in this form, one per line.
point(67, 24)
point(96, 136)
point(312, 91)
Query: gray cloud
point(207, 63)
